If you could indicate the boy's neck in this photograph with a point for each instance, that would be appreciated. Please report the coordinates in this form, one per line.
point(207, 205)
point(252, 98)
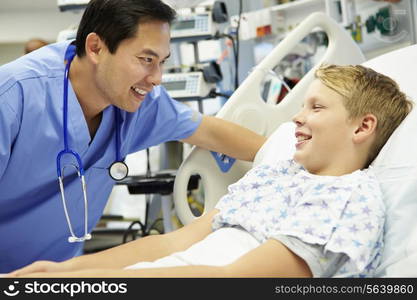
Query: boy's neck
point(346, 165)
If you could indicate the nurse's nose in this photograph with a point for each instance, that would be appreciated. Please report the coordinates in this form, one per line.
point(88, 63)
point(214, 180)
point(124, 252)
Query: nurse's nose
point(155, 78)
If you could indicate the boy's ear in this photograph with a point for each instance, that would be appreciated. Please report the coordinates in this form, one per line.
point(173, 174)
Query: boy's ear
point(365, 129)
point(93, 46)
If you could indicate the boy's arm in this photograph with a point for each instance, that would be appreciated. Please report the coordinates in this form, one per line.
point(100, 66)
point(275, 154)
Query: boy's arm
point(271, 259)
point(226, 137)
point(148, 248)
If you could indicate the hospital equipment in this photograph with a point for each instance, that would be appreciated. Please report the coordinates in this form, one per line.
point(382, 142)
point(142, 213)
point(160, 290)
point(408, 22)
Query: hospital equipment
point(65, 5)
point(188, 85)
point(118, 170)
point(178, 4)
point(395, 166)
point(202, 24)
point(344, 11)
point(194, 25)
point(194, 85)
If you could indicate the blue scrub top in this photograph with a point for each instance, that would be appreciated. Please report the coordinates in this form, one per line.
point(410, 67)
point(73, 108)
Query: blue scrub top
point(32, 219)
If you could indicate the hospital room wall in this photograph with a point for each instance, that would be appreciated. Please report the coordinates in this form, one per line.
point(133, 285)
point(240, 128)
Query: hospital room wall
point(21, 20)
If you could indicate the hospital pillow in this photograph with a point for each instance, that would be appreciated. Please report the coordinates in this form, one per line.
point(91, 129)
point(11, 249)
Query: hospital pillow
point(279, 146)
point(395, 167)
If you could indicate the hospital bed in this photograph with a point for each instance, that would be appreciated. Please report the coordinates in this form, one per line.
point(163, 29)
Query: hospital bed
point(395, 166)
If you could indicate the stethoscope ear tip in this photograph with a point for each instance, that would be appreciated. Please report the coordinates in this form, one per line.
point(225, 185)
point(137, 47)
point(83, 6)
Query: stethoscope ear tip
point(73, 239)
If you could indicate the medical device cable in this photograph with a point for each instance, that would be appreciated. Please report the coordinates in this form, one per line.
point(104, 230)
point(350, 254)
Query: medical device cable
point(148, 165)
point(237, 45)
point(116, 119)
point(214, 94)
point(65, 109)
point(232, 40)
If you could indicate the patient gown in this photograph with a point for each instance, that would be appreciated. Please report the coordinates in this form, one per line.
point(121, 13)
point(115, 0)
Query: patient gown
point(335, 223)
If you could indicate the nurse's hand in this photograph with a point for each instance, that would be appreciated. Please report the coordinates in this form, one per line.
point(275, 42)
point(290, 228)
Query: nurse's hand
point(40, 266)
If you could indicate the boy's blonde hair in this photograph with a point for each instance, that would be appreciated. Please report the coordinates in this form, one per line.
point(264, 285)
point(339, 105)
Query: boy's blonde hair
point(366, 91)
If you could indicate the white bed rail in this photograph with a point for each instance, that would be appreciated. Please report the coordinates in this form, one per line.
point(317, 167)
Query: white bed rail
point(247, 108)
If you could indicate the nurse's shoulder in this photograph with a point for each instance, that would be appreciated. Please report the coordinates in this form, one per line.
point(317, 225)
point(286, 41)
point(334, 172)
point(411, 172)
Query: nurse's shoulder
point(47, 61)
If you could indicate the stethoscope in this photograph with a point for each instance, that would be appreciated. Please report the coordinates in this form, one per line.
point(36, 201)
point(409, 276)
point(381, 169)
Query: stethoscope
point(118, 170)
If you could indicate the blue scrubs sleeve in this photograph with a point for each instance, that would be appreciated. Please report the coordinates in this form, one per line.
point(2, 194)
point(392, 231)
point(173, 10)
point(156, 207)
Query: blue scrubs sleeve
point(9, 124)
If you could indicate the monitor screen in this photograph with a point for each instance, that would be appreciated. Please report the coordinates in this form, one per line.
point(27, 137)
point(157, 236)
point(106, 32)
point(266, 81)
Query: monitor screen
point(185, 24)
point(174, 85)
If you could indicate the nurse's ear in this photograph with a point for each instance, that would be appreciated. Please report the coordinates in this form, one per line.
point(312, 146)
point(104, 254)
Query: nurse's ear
point(94, 46)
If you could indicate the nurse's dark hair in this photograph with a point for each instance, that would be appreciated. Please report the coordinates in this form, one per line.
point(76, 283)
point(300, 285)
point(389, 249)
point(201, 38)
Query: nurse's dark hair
point(116, 20)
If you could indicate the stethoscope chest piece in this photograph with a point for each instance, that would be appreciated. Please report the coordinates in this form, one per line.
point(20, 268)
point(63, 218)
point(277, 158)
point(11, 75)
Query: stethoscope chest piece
point(118, 170)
